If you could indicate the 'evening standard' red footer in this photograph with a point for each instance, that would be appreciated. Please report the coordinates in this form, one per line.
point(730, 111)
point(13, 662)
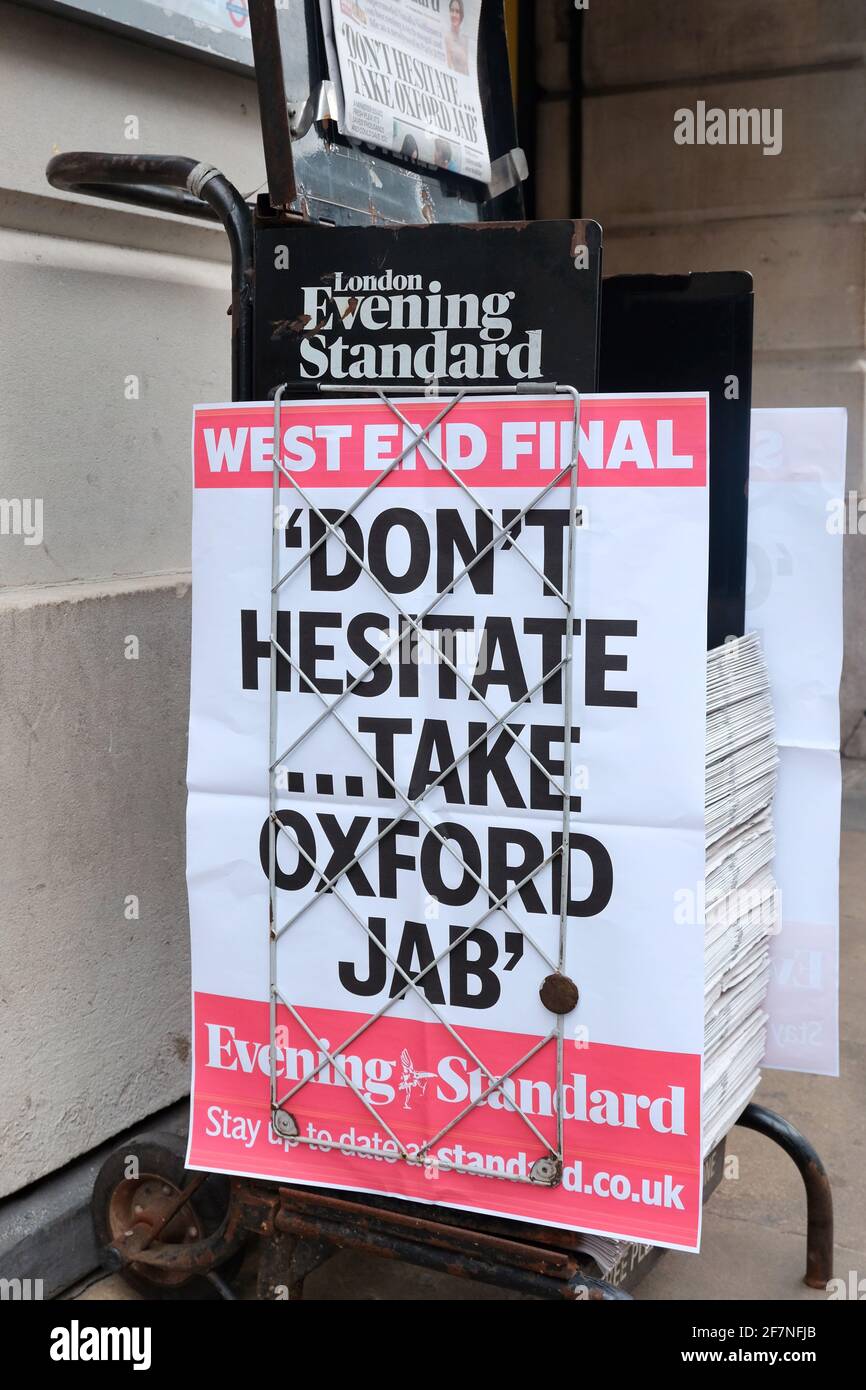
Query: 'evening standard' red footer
point(631, 1117)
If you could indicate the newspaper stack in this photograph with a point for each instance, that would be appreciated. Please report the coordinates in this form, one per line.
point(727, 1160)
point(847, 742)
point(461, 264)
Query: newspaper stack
point(740, 891)
point(740, 896)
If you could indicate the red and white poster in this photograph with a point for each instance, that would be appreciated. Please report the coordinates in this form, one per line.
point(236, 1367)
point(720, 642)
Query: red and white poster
point(414, 772)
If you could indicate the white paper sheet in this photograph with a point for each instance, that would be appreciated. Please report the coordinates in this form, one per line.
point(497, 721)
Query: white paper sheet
point(796, 488)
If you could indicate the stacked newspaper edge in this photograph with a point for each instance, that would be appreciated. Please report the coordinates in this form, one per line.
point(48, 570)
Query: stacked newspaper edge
point(740, 897)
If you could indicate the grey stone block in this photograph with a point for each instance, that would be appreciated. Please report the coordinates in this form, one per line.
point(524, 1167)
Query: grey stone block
point(46, 1232)
point(92, 784)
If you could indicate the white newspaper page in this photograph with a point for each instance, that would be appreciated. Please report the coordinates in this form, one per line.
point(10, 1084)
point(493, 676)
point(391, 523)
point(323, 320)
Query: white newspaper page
point(420, 805)
point(406, 77)
point(796, 496)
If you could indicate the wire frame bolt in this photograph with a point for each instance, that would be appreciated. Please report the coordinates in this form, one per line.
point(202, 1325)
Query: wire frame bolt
point(547, 1172)
point(285, 1124)
point(559, 994)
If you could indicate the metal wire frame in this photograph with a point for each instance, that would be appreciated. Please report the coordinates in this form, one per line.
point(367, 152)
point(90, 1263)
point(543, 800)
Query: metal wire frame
point(547, 1169)
point(494, 1083)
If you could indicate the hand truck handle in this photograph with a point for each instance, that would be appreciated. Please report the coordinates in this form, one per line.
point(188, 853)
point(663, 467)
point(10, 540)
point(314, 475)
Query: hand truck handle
point(164, 182)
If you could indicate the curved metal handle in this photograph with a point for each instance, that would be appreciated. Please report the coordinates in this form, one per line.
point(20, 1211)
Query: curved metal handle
point(150, 181)
point(188, 188)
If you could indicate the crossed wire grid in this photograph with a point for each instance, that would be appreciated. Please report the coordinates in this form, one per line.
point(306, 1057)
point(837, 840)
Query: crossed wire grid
point(548, 1167)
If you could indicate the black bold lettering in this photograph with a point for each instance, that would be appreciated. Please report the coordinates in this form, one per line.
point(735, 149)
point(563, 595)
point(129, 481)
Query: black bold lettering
point(502, 873)
point(304, 870)
point(451, 536)
point(554, 521)
point(431, 864)
point(344, 844)
point(543, 796)
point(490, 759)
point(435, 745)
point(254, 650)
point(390, 858)
point(498, 639)
point(419, 549)
point(479, 968)
point(376, 682)
point(320, 577)
point(600, 892)
point(552, 634)
point(415, 941)
point(599, 660)
point(310, 652)
point(376, 965)
point(384, 731)
point(448, 627)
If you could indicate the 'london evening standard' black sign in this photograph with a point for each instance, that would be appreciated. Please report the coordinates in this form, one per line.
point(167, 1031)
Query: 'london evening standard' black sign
point(489, 304)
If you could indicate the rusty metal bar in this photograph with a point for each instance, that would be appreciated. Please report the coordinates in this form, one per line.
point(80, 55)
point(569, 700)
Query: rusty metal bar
point(431, 1245)
point(274, 111)
point(819, 1196)
point(305, 1207)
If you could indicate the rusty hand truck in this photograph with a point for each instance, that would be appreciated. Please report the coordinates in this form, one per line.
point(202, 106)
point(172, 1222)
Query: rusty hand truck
point(172, 1233)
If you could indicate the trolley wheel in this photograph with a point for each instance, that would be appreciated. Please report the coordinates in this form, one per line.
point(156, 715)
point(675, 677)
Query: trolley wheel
point(121, 1202)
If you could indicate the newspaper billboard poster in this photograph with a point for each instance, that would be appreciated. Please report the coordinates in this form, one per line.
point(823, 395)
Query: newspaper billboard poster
point(797, 518)
point(405, 74)
point(420, 780)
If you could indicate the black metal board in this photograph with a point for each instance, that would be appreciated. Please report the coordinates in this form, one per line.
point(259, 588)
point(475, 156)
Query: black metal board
point(694, 333)
point(529, 312)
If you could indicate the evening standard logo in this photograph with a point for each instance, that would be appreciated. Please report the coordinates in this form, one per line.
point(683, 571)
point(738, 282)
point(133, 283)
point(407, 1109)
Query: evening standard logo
point(412, 1080)
point(77, 1343)
point(465, 337)
point(458, 1082)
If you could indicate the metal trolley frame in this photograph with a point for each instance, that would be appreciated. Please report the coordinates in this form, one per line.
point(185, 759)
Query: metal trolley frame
point(176, 1233)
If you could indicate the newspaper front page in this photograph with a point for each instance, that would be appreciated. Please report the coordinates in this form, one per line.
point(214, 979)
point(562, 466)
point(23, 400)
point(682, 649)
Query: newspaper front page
point(405, 74)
